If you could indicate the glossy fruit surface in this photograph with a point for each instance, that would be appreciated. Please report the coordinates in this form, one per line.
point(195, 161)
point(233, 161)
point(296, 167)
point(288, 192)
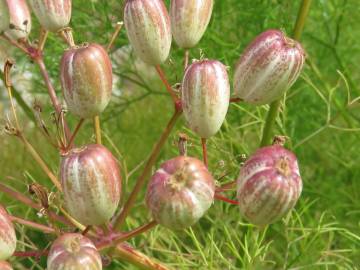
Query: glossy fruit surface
point(73, 251)
point(86, 79)
point(205, 96)
point(268, 68)
point(189, 20)
point(52, 14)
point(15, 19)
point(148, 28)
point(7, 235)
point(180, 192)
point(91, 182)
point(269, 185)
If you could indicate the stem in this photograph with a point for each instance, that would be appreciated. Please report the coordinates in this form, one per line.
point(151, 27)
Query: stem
point(42, 40)
point(97, 129)
point(166, 83)
point(235, 100)
point(147, 170)
point(274, 107)
point(186, 59)
point(224, 199)
point(127, 253)
point(75, 133)
point(204, 150)
point(36, 254)
point(118, 27)
point(227, 186)
point(32, 224)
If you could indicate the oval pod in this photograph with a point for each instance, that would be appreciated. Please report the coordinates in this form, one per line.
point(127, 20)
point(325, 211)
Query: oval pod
point(73, 251)
point(15, 19)
point(189, 20)
point(91, 182)
point(5, 265)
point(148, 28)
point(180, 192)
point(269, 185)
point(7, 235)
point(53, 15)
point(268, 68)
point(86, 79)
point(205, 96)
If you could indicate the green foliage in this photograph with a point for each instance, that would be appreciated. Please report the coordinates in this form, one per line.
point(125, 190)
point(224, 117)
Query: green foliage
point(320, 119)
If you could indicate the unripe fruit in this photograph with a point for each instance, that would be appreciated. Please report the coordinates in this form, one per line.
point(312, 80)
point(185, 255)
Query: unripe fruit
point(269, 66)
point(91, 182)
point(189, 20)
point(15, 19)
point(86, 79)
point(148, 28)
point(73, 251)
point(5, 265)
point(53, 15)
point(7, 235)
point(180, 192)
point(205, 96)
point(269, 185)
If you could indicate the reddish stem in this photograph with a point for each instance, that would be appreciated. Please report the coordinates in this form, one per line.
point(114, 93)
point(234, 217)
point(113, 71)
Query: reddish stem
point(74, 134)
point(36, 254)
point(166, 83)
point(204, 150)
point(32, 224)
point(226, 187)
point(222, 198)
point(235, 100)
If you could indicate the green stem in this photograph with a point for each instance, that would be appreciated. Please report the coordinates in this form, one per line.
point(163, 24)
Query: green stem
point(275, 106)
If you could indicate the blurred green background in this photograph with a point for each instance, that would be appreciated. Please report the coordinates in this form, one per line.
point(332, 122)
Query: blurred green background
point(320, 116)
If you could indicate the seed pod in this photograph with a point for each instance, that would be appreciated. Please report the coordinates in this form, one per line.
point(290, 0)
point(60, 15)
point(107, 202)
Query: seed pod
point(180, 192)
point(53, 15)
point(205, 96)
point(91, 181)
point(73, 251)
point(269, 185)
point(269, 66)
point(5, 265)
point(86, 79)
point(7, 235)
point(189, 20)
point(15, 19)
point(148, 29)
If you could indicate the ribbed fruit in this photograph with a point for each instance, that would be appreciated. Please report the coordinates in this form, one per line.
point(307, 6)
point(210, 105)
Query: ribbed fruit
point(5, 265)
point(205, 96)
point(53, 15)
point(7, 235)
point(73, 251)
point(15, 19)
point(269, 185)
point(148, 28)
point(91, 182)
point(180, 192)
point(86, 79)
point(268, 68)
point(189, 20)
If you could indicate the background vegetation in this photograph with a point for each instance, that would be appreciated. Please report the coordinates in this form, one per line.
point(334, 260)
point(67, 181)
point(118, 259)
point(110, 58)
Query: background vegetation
point(318, 116)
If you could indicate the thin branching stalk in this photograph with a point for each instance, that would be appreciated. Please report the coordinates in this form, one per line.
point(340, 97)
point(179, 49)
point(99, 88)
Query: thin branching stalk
point(167, 84)
point(118, 28)
point(224, 199)
point(275, 106)
point(34, 225)
point(97, 129)
point(186, 59)
point(204, 151)
point(72, 138)
point(42, 40)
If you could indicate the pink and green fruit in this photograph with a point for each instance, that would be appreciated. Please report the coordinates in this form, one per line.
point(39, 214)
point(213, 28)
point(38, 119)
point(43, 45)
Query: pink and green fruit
point(269, 185)
point(268, 68)
point(148, 28)
point(73, 251)
point(180, 192)
point(91, 182)
point(5, 265)
point(52, 14)
point(205, 96)
point(86, 79)
point(189, 20)
point(7, 235)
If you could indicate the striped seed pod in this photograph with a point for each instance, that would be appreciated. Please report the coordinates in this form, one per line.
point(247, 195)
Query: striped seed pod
point(189, 20)
point(86, 79)
point(269, 185)
point(148, 28)
point(53, 15)
point(7, 235)
point(268, 68)
point(15, 19)
point(5, 265)
point(205, 96)
point(180, 192)
point(73, 251)
point(91, 181)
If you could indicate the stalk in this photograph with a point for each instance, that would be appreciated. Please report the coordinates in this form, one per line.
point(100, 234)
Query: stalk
point(147, 170)
point(32, 224)
point(275, 106)
point(97, 129)
point(204, 150)
point(166, 83)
